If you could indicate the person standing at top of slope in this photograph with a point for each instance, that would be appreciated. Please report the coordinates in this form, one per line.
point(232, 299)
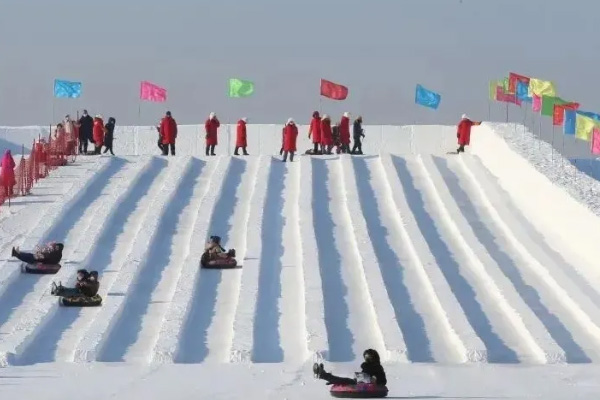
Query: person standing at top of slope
point(211, 126)
point(168, 133)
point(314, 131)
point(7, 173)
point(290, 133)
point(345, 133)
point(358, 132)
point(463, 132)
point(240, 139)
point(86, 127)
point(326, 134)
point(98, 133)
point(109, 135)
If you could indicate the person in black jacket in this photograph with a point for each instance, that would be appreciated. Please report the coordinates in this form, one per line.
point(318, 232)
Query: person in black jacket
point(87, 285)
point(357, 133)
point(109, 130)
point(371, 367)
point(50, 254)
point(86, 128)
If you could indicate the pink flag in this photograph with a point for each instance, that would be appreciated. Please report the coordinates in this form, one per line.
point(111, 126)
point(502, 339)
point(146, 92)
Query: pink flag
point(537, 103)
point(596, 141)
point(152, 92)
point(505, 97)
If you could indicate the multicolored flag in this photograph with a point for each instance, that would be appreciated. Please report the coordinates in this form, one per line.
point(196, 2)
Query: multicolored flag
point(151, 92)
point(240, 87)
point(558, 116)
point(548, 103)
point(501, 95)
point(427, 98)
point(333, 90)
point(514, 79)
point(67, 89)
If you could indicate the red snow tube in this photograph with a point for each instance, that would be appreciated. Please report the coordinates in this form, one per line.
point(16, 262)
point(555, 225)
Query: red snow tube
point(359, 391)
point(42, 269)
point(218, 263)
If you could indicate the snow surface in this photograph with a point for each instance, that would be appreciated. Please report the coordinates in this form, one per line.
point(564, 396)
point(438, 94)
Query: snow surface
point(473, 275)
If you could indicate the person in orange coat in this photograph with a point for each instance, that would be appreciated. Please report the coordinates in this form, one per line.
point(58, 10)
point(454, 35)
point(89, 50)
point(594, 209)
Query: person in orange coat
point(326, 134)
point(345, 133)
point(240, 139)
point(98, 133)
point(315, 131)
point(211, 126)
point(463, 133)
point(168, 133)
point(290, 133)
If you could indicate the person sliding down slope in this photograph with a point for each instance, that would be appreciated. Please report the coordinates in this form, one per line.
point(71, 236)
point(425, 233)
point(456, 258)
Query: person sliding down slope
point(214, 249)
point(50, 254)
point(371, 367)
point(463, 133)
point(87, 285)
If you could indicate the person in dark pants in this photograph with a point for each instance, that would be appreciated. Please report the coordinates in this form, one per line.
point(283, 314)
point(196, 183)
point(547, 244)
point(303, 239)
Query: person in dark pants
point(86, 128)
point(49, 254)
point(168, 133)
point(357, 133)
point(290, 133)
point(109, 135)
point(371, 367)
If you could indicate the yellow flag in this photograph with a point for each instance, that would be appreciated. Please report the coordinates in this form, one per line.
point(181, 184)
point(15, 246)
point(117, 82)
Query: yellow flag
point(541, 88)
point(584, 127)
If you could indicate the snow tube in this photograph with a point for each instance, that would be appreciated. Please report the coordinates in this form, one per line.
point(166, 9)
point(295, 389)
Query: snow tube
point(39, 268)
point(217, 263)
point(80, 301)
point(359, 391)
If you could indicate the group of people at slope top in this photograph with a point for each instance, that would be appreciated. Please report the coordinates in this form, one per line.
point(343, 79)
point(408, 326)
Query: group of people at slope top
point(91, 130)
point(167, 134)
point(325, 137)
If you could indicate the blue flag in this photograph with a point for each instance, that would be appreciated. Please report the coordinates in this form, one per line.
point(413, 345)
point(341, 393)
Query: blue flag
point(523, 92)
point(67, 89)
point(569, 124)
point(427, 98)
point(589, 114)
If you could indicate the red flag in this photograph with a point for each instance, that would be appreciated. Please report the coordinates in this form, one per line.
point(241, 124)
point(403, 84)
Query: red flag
point(152, 92)
point(506, 97)
point(333, 90)
point(513, 79)
point(558, 115)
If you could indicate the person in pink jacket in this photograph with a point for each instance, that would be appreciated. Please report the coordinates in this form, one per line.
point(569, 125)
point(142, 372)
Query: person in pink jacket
point(345, 133)
point(7, 173)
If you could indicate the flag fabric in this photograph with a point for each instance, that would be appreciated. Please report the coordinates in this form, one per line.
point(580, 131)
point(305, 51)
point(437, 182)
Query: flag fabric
point(501, 95)
point(584, 127)
point(569, 125)
point(493, 89)
point(596, 141)
point(522, 92)
point(427, 98)
point(540, 87)
point(548, 103)
point(514, 79)
point(333, 90)
point(67, 89)
point(592, 115)
point(536, 104)
point(240, 87)
point(506, 86)
point(151, 92)
point(558, 116)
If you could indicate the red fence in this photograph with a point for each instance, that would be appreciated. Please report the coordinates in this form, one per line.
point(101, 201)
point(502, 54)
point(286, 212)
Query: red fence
point(45, 156)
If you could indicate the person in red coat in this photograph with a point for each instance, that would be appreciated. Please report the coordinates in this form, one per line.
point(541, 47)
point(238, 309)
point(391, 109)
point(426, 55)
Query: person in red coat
point(98, 133)
point(168, 133)
point(463, 133)
point(7, 173)
point(314, 131)
point(345, 133)
point(240, 139)
point(211, 126)
point(290, 133)
point(326, 135)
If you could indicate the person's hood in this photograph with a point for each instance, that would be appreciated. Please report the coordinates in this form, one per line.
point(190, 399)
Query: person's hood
point(289, 121)
point(347, 114)
point(464, 116)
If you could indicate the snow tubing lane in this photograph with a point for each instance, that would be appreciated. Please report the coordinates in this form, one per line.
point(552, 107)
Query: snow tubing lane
point(359, 391)
point(80, 301)
point(40, 269)
point(226, 263)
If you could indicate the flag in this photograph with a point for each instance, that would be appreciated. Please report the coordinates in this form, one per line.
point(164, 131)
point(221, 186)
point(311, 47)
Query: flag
point(592, 115)
point(569, 126)
point(540, 87)
point(536, 103)
point(506, 97)
point(493, 89)
point(506, 86)
point(152, 92)
point(333, 90)
point(68, 89)
point(596, 141)
point(558, 116)
point(514, 79)
point(427, 98)
point(583, 127)
point(240, 88)
point(548, 103)
point(522, 92)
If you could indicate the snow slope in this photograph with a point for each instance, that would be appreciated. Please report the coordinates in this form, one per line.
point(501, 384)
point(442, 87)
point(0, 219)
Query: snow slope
point(427, 257)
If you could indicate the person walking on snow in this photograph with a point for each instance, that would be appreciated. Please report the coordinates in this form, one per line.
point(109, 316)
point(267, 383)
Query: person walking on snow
point(240, 139)
point(358, 133)
point(211, 126)
point(326, 135)
point(168, 133)
point(290, 133)
point(314, 131)
point(109, 128)
point(98, 133)
point(463, 132)
point(7, 173)
point(345, 133)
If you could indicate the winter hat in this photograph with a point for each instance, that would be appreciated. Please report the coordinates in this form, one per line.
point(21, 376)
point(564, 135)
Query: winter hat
point(316, 114)
point(325, 116)
point(168, 113)
point(347, 114)
point(211, 115)
point(290, 121)
point(464, 116)
point(245, 119)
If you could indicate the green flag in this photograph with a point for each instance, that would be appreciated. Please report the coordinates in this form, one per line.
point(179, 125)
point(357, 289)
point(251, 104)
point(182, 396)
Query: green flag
point(548, 103)
point(493, 88)
point(240, 88)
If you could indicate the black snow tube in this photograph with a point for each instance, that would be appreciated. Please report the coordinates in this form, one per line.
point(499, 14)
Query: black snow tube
point(359, 391)
point(218, 263)
point(40, 269)
point(81, 301)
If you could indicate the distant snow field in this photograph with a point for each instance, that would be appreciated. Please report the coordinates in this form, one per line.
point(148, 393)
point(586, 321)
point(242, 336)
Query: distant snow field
point(473, 275)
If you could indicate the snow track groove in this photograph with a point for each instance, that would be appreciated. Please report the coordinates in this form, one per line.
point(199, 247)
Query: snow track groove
point(571, 322)
point(91, 346)
point(97, 203)
point(349, 313)
point(208, 330)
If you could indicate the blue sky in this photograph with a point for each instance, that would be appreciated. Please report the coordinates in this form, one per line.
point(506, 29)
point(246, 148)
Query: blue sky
point(380, 49)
